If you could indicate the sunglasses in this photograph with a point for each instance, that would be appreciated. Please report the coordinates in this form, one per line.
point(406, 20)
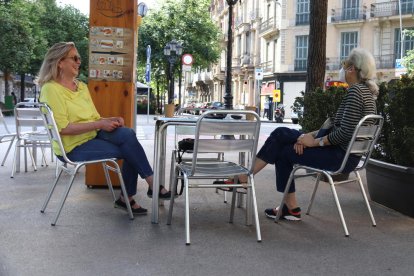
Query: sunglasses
point(75, 58)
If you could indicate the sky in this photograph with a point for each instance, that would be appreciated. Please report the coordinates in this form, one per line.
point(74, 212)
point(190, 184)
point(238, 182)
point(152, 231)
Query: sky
point(83, 5)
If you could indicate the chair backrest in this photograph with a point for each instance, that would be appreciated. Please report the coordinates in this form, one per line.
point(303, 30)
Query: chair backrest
point(28, 119)
point(363, 140)
point(242, 134)
point(4, 128)
point(53, 131)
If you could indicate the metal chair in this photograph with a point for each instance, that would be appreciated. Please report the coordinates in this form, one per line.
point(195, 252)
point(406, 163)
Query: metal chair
point(362, 143)
point(30, 135)
point(72, 167)
point(6, 136)
point(245, 140)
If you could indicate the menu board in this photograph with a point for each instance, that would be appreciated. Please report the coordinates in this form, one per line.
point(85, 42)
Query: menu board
point(111, 53)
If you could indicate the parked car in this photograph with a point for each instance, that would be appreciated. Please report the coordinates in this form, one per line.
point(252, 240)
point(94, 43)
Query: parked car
point(214, 105)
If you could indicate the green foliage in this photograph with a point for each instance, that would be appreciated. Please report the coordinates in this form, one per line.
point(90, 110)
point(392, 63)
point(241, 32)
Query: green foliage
point(29, 27)
point(187, 21)
point(314, 108)
point(395, 103)
point(409, 55)
point(16, 39)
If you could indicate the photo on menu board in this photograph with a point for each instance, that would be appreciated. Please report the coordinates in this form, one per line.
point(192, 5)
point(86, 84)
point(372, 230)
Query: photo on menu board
point(106, 43)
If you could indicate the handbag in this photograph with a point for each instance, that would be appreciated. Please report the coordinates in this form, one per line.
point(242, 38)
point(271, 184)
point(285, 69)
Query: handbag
point(185, 145)
point(326, 128)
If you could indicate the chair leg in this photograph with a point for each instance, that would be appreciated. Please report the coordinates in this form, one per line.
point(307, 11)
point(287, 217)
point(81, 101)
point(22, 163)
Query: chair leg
point(64, 196)
point(249, 205)
point(123, 189)
point(233, 204)
point(16, 153)
point(108, 180)
point(173, 189)
point(318, 178)
point(187, 210)
point(31, 157)
point(8, 150)
point(255, 212)
point(338, 205)
point(364, 195)
point(51, 190)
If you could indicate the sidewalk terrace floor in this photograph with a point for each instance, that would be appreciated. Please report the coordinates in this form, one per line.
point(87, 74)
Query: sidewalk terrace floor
point(93, 238)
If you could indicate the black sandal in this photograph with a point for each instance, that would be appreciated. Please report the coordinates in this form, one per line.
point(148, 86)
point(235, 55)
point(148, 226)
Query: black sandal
point(136, 211)
point(166, 196)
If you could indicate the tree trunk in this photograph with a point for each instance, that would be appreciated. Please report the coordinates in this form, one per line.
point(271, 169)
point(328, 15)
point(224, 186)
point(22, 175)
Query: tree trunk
point(6, 75)
point(22, 86)
point(317, 45)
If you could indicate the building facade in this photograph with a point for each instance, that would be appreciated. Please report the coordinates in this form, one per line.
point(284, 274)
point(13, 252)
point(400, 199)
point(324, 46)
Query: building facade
point(273, 36)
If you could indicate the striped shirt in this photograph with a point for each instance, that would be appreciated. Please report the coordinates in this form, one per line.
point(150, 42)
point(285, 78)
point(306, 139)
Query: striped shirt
point(357, 103)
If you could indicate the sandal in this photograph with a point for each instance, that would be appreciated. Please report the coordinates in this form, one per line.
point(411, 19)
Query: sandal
point(228, 181)
point(136, 211)
point(165, 196)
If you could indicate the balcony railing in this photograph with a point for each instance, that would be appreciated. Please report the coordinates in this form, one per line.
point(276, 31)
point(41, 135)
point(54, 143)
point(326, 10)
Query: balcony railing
point(357, 13)
point(301, 64)
point(267, 67)
point(385, 61)
point(391, 8)
point(381, 62)
point(268, 25)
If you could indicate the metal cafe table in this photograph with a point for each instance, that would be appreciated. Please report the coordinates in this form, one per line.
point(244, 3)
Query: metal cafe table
point(161, 126)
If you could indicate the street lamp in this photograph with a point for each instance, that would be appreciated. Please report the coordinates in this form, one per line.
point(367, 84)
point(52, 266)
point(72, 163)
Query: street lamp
point(172, 51)
point(228, 98)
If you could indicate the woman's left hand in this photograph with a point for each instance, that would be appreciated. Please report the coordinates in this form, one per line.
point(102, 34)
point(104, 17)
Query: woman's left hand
point(119, 120)
point(306, 140)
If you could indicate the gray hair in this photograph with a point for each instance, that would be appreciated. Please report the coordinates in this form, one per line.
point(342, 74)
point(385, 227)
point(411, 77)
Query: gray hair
point(49, 69)
point(364, 62)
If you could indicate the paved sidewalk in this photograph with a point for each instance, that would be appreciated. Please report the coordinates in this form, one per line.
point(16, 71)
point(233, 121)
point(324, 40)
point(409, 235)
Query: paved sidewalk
point(93, 238)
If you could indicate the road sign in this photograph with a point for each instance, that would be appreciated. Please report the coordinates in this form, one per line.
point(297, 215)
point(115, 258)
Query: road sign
point(187, 59)
point(186, 68)
point(276, 95)
point(258, 74)
point(148, 72)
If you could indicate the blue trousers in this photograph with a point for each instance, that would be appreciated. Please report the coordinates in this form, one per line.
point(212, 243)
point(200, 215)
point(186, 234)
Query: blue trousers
point(278, 150)
point(122, 143)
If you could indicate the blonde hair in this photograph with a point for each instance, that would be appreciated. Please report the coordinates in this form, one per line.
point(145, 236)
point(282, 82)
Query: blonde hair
point(49, 69)
point(364, 62)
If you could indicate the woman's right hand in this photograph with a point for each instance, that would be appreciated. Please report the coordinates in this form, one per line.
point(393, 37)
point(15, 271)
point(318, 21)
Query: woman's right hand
point(108, 124)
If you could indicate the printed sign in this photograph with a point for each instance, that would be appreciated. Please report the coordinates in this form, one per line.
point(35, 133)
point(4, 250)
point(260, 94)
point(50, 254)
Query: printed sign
point(111, 53)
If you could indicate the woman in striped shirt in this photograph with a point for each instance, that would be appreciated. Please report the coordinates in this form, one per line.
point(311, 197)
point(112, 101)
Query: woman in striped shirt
point(286, 147)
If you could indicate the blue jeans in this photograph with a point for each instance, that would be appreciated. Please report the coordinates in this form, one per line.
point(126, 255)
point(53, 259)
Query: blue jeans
point(122, 143)
point(278, 150)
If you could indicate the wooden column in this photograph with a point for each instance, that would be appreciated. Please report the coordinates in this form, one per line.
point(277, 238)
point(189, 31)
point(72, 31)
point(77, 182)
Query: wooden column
point(112, 63)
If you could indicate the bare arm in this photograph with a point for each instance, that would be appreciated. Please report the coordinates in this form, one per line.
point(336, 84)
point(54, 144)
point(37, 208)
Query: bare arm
point(107, 124)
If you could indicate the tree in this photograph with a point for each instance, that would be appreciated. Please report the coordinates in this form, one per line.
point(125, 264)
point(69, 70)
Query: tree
point(315, 74)
point(65, 24)
point(187, 21)
point(15, 38)
point(409, 55)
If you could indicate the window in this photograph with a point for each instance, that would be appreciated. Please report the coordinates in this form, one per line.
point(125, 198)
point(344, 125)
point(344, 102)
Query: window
point(408, 42)
point(349, 40)
point(302, 12)
point(301, 60)
point(247, 51)
point(350, 9)
point(267, 51)
point(407, 6)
